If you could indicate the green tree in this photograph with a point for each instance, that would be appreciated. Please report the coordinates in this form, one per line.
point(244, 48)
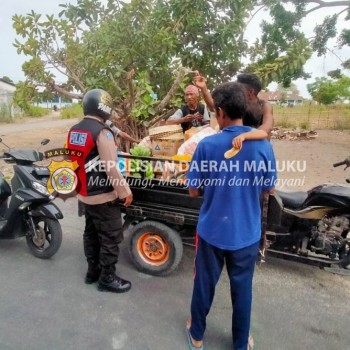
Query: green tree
point(282, 50)
point(343, 84)
point(335, 74)
point(136, 50)
point(323, 91)
point(326, 91)
point(131, 49)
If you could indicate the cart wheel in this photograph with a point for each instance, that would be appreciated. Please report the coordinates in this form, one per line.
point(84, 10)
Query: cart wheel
point(155, 248)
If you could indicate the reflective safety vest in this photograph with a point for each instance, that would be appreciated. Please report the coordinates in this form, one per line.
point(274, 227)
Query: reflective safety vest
point(82, 138)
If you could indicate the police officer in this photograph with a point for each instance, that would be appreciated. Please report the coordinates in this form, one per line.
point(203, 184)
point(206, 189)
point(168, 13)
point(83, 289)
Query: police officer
point(101, 186)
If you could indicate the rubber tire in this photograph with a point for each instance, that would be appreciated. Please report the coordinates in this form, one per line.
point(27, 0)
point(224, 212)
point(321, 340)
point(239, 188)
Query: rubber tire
point(56, 240)
point(169, 235)
point(345, 264)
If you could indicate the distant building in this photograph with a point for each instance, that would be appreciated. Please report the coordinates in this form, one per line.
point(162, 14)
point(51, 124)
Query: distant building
point(6, 96)
point(56, 102)
point(6, 91)
point(285, 98)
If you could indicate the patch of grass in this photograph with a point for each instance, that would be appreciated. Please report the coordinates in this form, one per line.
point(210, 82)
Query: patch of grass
point(73, 111)
point(284, 123)
point(304, 125)
point(313, 116)
point(342, 123)
point(35, 111)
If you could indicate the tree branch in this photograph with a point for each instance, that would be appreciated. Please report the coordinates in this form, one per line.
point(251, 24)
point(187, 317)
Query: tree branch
point(321, 4)
point(246, 26)
point(254, 14)
point(71, 74)
point(129, 78)
point(181, 74)
point(331, 51)
point(339, 13)
point(164, 116)
point(75, 78)
point(64, 92)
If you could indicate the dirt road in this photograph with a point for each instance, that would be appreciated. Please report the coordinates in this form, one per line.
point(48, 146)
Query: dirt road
point(28, 133)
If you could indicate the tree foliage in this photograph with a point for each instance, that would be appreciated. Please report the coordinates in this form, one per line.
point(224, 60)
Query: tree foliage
point(283, 33)
point(327, 91)
point(7, 79)
point(291, 89)
point(135, 50)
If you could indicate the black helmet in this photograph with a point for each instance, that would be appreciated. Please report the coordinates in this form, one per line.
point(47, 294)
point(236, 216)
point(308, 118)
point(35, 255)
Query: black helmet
point(98, 102)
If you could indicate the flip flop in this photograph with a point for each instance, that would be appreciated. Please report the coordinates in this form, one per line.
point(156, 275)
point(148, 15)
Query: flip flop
point(231, 152)
point(250, 343)
point(190, 343)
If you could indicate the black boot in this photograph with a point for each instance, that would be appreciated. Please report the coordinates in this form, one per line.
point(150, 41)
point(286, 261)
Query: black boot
point(110, 282)
point(93, 273)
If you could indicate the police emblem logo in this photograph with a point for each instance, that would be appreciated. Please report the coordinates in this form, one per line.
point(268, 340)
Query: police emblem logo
point(63, 179)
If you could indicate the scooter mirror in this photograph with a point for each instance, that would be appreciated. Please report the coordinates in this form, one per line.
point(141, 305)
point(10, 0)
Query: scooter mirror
point(44, 142)
point(41, 156)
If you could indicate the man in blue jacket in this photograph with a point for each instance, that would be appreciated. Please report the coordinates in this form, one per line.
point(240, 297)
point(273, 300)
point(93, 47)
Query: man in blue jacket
point(229, 225)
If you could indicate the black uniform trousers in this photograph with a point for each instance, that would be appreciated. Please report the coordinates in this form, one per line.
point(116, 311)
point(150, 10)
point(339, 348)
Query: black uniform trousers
point(103, 233)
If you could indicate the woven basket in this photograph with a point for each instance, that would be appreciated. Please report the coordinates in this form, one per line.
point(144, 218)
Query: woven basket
point(178, 136)
point(165, 132)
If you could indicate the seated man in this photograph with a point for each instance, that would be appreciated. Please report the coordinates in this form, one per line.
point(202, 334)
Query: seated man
point(193, 113)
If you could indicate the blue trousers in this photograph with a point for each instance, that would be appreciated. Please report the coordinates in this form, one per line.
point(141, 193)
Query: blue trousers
point(240, 265)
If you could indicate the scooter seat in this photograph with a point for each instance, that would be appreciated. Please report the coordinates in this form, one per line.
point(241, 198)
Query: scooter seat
point(292, 200)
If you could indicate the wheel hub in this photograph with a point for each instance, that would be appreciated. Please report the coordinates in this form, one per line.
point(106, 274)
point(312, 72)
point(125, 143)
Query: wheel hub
point(153, 249)
point(39, 237)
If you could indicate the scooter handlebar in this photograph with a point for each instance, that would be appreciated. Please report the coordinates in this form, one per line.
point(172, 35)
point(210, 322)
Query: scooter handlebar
point(344, 162)
point(339, 164)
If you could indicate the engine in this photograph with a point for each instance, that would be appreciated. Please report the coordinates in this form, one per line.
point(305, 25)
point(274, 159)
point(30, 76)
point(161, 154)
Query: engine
point(327, 236)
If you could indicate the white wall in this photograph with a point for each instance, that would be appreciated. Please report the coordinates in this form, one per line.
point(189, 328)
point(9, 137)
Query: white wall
point(6, 92)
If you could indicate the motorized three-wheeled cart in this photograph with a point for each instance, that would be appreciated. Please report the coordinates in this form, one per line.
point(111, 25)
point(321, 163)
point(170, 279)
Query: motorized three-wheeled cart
point(163, 217)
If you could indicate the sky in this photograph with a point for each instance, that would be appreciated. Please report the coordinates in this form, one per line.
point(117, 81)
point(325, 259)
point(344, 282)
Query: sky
point(11, 62)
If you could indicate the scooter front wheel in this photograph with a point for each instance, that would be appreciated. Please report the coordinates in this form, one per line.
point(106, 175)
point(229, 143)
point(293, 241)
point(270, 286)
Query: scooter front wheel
point(47, 238)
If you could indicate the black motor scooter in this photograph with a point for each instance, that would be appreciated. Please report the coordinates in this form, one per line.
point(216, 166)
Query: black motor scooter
point(26, 207)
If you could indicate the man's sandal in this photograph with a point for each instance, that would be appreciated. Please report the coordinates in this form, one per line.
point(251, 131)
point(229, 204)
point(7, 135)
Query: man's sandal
point(250, 343)
point(190, 340)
